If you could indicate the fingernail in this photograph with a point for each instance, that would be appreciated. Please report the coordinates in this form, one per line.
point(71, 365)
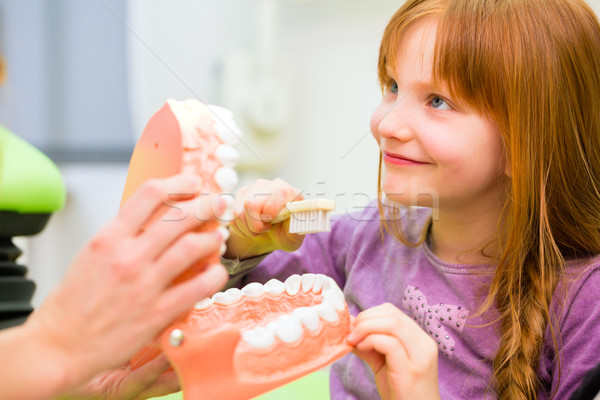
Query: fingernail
point(218, 235)
point(221, 206)
point(351, 338)
point(266, 217)
point(216, 276)
point(196, 182)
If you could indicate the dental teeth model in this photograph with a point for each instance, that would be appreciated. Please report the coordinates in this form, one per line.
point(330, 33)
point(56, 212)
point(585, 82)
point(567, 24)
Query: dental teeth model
point(241, 343)
point(188, 137)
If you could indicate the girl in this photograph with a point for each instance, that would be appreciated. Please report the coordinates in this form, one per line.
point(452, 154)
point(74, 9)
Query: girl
point(490, 123)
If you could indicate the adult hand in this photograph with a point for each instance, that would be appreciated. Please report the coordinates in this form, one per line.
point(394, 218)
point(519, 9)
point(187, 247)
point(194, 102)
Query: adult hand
point(153, 379)
point(402, 356)
point(256, 206)
point(117, 294)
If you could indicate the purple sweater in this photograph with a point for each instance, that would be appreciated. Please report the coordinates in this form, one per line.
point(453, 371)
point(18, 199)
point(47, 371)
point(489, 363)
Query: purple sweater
point(443, 299)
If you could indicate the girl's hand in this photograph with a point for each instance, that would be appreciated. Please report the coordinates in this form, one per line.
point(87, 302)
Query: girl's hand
point(117, 294)
point(153, 379)
point(402, 356)
point(256, 206)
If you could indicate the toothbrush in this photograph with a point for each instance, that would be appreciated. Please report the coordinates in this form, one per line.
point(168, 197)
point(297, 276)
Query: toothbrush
point(307, 216)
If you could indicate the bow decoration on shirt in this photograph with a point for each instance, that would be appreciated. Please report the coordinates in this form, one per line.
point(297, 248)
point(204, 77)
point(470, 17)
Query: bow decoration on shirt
point(434, 319)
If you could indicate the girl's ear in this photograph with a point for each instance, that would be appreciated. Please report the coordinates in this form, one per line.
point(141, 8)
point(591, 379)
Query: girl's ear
point(508, 170)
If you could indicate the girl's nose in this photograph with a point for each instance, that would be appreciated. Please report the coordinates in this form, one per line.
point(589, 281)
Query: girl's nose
point(393, 123)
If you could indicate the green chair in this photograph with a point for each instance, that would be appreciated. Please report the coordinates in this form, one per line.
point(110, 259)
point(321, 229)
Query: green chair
point(31, 189)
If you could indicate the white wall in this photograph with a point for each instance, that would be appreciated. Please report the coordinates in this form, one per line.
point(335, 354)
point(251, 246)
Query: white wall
point(327, 51)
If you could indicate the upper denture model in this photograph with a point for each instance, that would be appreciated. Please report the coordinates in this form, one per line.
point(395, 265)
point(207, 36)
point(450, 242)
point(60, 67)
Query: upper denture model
point(187, 137)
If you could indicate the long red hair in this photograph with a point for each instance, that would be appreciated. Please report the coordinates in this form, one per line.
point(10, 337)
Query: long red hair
point(533, 66)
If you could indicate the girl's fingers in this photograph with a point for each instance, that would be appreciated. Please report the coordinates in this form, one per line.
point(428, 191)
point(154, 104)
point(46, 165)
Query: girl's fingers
point(181, 297)
point(251, 222)
point(389, 320)
point(153, 194)
point(187, 250)
point(374, 360)
point(390, 348)
point(178, 219)
point(283, 193)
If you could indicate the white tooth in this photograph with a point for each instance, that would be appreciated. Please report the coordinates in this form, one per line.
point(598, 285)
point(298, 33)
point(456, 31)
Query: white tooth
point(259, 337)
point(308, 316)
point(253, 289)
point(226, 178)
point(222, 249)
point(288, 328)
point(274, 287)
point(228, 131)
point(224, 232)
point(228, 297)
point(334, 300)
point(227, 155)
point(307, 282)
point(318, 285)
point(292, 284)
point(203, 304)
point(335, 289)
point(229, 200)
point(326, 312)
point(271, 327)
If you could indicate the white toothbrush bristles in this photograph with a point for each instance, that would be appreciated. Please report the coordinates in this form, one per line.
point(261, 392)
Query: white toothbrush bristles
point(307, 216)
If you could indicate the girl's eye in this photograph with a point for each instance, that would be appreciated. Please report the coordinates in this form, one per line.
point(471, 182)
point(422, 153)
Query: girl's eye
point(439, 103)
point(394, 88)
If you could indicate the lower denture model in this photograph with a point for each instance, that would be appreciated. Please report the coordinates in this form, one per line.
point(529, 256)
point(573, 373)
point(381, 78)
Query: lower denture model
point(239, 343)
point(242, 343)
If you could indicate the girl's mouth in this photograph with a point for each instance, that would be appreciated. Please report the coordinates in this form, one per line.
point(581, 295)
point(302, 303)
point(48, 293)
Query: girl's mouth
point(396, 159)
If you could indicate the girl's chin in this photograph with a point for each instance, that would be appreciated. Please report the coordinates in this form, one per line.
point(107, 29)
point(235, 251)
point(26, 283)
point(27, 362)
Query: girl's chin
point(410, 193)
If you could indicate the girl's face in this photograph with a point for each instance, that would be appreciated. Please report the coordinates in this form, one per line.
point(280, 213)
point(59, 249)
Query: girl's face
point(435, 152)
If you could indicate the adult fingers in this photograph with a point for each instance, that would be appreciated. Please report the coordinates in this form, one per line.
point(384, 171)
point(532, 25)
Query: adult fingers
point(165, 384)
point(184, 252)
point(178, 219)
point(152, 195)
point(138, 380)
point(181, 297)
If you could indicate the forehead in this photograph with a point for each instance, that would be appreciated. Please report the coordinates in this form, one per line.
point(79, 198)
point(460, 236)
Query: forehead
point(415, 50)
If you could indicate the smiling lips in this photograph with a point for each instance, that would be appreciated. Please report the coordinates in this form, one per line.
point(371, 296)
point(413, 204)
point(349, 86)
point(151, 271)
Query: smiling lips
point(395, 159)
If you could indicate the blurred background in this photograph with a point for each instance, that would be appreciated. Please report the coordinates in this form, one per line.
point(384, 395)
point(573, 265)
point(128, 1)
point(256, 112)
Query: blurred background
point(84, 76)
